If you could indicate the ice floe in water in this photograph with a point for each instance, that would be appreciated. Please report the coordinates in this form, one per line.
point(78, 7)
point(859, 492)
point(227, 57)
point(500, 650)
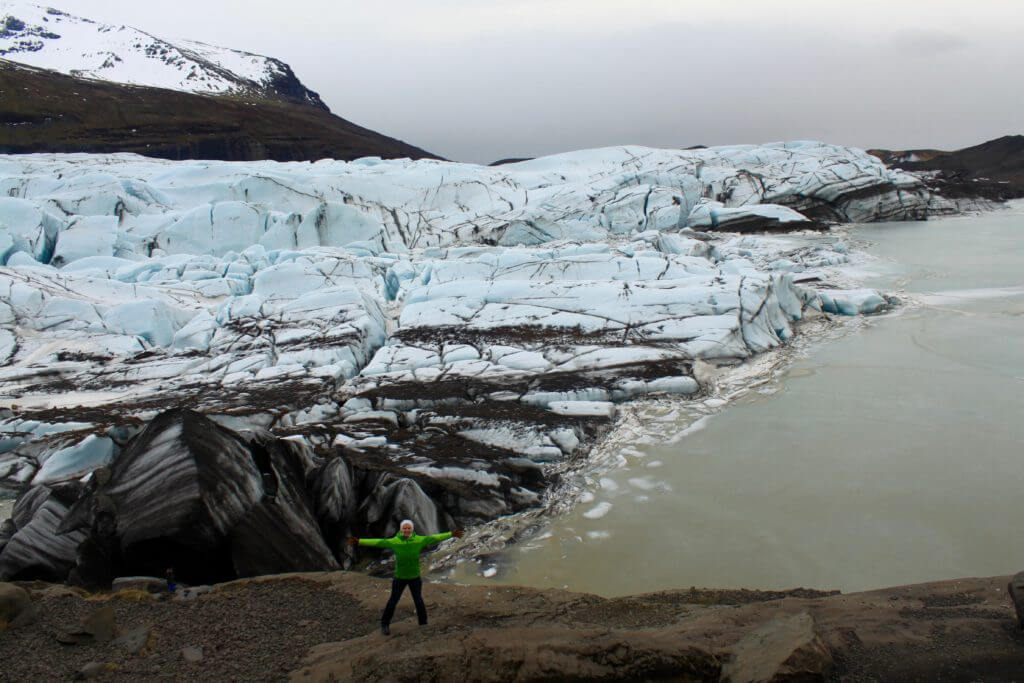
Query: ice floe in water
point(599, 510)
point(953, 296)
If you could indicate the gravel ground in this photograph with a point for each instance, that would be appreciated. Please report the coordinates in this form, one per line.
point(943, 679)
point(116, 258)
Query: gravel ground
point(258, 633)
point(266, 629)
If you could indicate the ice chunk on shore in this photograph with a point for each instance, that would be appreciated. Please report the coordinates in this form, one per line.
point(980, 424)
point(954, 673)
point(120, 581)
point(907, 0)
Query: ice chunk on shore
point(851, 301)
point(583, 408)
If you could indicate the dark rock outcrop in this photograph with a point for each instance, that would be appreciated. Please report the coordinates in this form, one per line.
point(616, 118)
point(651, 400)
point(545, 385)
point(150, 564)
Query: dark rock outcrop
point(58, 113)
point(1015, 589)
point(286, 85)
point(993, 170)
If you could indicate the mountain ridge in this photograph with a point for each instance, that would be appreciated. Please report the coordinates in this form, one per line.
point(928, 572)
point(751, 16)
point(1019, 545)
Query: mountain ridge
point(48, 38)
point(63, 114)
point(993, 169)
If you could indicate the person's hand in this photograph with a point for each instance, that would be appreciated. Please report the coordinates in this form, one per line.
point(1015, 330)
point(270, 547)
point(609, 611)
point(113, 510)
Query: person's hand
point(458, 533)
point(352, 540)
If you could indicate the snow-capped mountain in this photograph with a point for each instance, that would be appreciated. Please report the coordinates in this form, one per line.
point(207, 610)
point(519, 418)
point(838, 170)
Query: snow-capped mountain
point(51, 39)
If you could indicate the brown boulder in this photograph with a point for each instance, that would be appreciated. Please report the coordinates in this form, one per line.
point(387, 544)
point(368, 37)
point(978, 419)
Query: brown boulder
point(94, 670)
point(192, 654)
point(785, 648)
point(136, 641)
point(15, 607)
point(98, 627)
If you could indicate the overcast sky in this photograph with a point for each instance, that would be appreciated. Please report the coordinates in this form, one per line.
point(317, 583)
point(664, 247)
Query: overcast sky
point(478, 80)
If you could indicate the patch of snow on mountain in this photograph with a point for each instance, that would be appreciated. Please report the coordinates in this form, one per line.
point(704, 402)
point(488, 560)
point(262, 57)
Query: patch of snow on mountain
point(49, 38)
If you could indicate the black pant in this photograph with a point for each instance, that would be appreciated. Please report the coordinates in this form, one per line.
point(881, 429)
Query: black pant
point(397, 586)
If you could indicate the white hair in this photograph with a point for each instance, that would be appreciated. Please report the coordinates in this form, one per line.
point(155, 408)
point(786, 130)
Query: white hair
point(406, 521)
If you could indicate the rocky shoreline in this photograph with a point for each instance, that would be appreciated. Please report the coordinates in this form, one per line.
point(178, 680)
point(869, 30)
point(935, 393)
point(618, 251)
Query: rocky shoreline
point(323, 626)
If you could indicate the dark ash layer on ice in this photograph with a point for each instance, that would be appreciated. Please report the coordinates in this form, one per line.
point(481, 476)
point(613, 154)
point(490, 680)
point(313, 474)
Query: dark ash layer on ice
point(447, 425)
point(331, 375)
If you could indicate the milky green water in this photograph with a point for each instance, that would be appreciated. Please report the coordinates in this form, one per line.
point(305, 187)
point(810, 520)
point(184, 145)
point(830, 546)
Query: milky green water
point(892, 455)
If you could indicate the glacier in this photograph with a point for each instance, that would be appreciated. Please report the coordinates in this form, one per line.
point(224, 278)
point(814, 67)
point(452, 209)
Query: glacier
point(428, 339)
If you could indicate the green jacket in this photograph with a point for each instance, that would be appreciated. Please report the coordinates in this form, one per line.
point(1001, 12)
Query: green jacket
point(407, 551)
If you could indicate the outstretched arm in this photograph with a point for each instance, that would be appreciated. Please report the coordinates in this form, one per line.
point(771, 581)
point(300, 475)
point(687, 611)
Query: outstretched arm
point(371, 542)
point(444, 536)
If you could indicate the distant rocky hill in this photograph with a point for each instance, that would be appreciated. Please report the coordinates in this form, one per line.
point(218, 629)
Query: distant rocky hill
point(69, 84)
point(993, 169)
point(510, 160)
point(58, 113)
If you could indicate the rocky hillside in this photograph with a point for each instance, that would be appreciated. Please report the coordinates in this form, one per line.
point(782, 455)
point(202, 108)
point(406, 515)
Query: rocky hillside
point(993, 169)
point(58, 113)
point(323, 627)
point(69, 84)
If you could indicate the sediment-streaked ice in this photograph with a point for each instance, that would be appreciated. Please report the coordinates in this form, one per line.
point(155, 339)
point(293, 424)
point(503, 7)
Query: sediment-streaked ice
point(466, 333)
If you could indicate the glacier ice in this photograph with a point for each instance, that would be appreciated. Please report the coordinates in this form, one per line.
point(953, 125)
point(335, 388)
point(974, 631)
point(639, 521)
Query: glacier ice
point(77, 460)
point(456, 333)
point(851, 301)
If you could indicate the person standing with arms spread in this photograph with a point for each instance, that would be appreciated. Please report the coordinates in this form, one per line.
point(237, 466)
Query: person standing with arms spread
point(407, 547)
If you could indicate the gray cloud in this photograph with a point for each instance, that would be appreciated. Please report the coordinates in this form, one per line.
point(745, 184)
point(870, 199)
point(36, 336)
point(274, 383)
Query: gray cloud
point(478, 81)
point(929, 43)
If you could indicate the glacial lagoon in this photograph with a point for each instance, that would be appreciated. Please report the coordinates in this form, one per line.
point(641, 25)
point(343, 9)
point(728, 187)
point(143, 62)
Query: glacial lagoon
point(891, 453)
